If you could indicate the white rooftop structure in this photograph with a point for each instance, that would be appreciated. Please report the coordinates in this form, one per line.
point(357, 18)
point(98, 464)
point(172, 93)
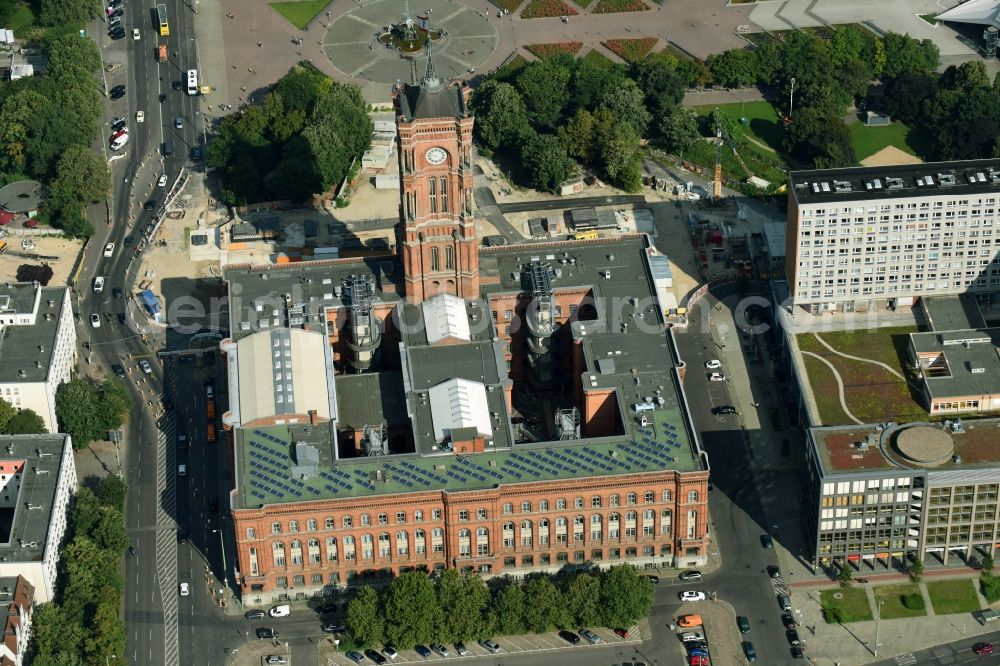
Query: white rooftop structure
point(459, 403)
point(981, 12)
point(445, 317)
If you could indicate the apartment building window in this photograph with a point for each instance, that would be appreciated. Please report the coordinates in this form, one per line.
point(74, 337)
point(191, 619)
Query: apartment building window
point(648, 522)
point(328, 523)
point(383, 519)
point(631, 498)
point(560, 505)
point(595, 527)
point(367, 547)
point(631, 525)
point(508, 535)
point(331, 549)
point(464, 543)
point(402, 544)
point(578, 528)
point(418, 516)
point(561, 530)
point(251, 533)
point(314, 556)
point(275, 528)
point(463, 515)
point(383, 544)
point(526, 536)
point(278, 554)
point(366, 520)
point(543, 532)
point(667, 495)
point(525, 507)
point(347, 521)
point(614, 531)
point(692, 496)
point(482, 541)
point(281, 581)
point(543, 505)
point(349, 548)
point(613, 500)
point(650, 497)
point(311, 524)
point(481, 514)
point(419, 543)
point(400, 517)
point(595, 502)
point(435, 514)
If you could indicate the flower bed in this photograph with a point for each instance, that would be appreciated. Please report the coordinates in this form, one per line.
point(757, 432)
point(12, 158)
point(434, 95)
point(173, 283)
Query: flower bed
point(509, 5)
point(615, 6)
point(547, 8)
point(631, 50)
point(545, 51)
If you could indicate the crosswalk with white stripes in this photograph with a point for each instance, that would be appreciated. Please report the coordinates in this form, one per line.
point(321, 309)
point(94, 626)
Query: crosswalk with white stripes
point(166, 530)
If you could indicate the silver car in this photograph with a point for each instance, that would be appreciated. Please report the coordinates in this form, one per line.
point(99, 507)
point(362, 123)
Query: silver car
point(491, 645)
point(440, 649)
point(590, 636)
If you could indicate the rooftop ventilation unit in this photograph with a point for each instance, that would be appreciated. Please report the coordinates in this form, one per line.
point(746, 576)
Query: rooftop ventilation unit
point(894, 183)
point(947, 180)
point(873, 185)
point(842, 186)
point(978, 177)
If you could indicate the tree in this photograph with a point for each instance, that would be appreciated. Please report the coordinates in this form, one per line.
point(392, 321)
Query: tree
point(988, 562)
point(411, 611)
point(545, 162)
point(854, 77)
point(845, 573)
point(544, 87)
point(626, 596)
point(70, 51)
point(581, 595)
point(301, 87)
point(735, 68)
point(109, 533)
point(592, 79)
point(81, 175)
point(500, 113)
point(916, 570)
point(965, 77)
point(661, 82)
point(364, 618)
point(7, 412)
point(906, 54)
point(904, 95)
point(508, 609)
point(85, 513)
point(107, 628)
point(463, 599)
point(679, 130)
point(848, 44)
point(111, 492)
point(113, 402)
point(618, 143)
point(577, 136)
point(627, 103)
point(819, 139)
point(543, 606)
point(65, 13)
point(25, 422)
point(88, 410)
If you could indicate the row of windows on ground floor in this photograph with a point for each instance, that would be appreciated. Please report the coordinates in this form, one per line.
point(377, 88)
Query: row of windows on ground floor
point(509, 562)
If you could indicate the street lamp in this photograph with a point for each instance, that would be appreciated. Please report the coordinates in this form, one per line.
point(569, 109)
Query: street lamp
point(791, 97)
point(225, 572)
point(878, 618)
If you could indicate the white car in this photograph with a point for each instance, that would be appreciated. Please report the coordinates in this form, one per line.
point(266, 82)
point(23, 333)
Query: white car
point(109, 249)
point(146, 367)
point(98, 284)
point(185, 589)
point(135, 34)
point(714, 364)
point(182, 470)
point(716, 377)
point(162, 182)
point(284, 610)
point(140, 116)
point(692, 595)
point(95, 320)
point(690, 636)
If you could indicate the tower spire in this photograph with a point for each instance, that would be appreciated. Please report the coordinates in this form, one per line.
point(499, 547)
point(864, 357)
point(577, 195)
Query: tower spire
point(430, 82)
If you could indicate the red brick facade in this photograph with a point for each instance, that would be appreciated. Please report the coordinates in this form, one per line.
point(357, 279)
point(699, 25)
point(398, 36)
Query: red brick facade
point(494, 531)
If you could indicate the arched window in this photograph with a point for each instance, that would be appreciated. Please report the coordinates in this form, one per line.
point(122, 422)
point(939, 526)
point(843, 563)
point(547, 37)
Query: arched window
point(435, 259)
point(595, 502)
point(595, 527)
point(666, 517)
point(402, 543)
point(348, 547)
point(464, 543)
point(279, 554)
point(293, 526)
point(331, 549)
point(692, 524)
point(449, 257)
point(692, 496)
point(314, 557)
point(418, 516)
point(329, 523)
point(419, 543)
point(526, 536)
point(383, 544)
point(508, 535)
point(311, 524)
point(296, 552)
point(613, 500)
point(650, 495)
point(543, 532)
point(482, 541)
point(613, 523)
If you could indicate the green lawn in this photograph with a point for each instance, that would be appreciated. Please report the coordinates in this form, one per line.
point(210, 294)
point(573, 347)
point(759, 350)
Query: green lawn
point(763, 122)
point(872, 393)
point(869, 140)
point(597, 58)
point(892, 596)
point(950, 597)
point(300, 12)
point(760, 142)
point(852, 606)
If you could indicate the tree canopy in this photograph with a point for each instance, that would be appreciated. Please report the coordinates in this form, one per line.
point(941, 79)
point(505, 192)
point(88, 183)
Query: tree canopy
point(88, 410)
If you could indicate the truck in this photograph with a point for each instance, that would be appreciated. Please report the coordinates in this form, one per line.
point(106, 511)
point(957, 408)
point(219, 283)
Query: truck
point(161, 53)
point(210, 409)
point(210, 433)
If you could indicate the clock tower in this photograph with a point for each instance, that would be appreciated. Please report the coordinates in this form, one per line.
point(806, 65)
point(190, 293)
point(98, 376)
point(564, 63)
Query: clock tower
point(437, 229)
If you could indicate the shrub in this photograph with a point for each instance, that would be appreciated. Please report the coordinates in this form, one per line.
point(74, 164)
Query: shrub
point(990, 587)
point(544, 51)
point(547, 8)
point(614, 6)
point(631, 50)
point(914, 602)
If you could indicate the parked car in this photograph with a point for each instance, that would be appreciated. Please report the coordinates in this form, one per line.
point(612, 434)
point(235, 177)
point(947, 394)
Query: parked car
point(149, 205)
point(118, 370)
point(748, 650)
point(276, 659)
point(714, 364)
point(774, 572)
point(282, 610)
point(490, 645)
point(109, 249)
point(654, 579)
point(623, 633)
point(793, 637)
point(461, 649)
point(716, 377)
point(334, 628)
point(375, 656)
point(266, 632)
point(440, 649)
point(118, 124)
point(766, 541)
point(118, 91)
point(422, 650)
point(140, 116)
point(788, 621)
point(162, 182)
point(95, 320)
point(692, 595)
point(136, 36)
point(590, 636)
point(689, 636)
point(689, 575)
point(983, 648)
point(98, 284)
point(355, 656)
point(569, 637)
point(185, 589)
point(390, 652)
point(797, 652)
point(723, 409)
point(743, 623)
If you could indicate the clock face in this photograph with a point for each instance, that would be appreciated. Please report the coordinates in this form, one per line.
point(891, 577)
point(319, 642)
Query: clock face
point(436, 155)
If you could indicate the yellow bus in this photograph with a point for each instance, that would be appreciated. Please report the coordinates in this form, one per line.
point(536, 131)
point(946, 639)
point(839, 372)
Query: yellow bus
point(161, 14)
point(585, 235)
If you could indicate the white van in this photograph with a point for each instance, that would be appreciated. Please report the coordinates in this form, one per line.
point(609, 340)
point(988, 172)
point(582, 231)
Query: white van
point(284, 610)
point(119, 140)
point(182, 470)
point(98, 284)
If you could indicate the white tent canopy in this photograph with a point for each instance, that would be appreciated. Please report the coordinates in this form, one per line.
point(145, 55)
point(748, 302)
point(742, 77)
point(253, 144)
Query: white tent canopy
point(981, 12)
point(459, 403)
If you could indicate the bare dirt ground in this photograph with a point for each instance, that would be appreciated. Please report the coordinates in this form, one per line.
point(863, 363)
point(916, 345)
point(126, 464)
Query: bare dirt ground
point(48, 246)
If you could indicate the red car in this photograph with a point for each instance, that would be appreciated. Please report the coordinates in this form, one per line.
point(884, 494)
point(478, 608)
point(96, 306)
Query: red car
point(983, 648)
point(699, 660)
point(621, 632)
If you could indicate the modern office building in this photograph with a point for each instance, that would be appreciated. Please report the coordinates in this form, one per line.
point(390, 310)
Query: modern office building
point(37, 346)
point(880, 237)
point(38, 479)
point(881, 496)
point(500, 410)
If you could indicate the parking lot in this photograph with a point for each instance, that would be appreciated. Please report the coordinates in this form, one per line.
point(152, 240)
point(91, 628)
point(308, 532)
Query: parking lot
point(508, 645)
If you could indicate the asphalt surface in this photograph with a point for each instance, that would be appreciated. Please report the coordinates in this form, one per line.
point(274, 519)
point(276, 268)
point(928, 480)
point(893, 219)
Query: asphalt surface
point(737, 516)
point(959, 652)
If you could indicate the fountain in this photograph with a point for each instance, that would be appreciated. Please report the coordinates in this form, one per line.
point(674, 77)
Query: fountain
point(410, 36)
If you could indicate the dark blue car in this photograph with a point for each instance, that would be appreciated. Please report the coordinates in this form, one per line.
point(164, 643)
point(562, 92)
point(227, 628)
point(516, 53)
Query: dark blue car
point(422, 650)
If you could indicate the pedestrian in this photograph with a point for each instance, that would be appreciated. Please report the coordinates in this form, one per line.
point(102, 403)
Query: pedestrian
point(260, 45)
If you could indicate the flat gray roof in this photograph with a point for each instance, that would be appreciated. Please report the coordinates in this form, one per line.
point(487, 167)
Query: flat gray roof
point(972, 358)
point(25, 520)
point(26, 350)
point(774, 235)
point(959, 178)
point(370, 399)
point(952, 313)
